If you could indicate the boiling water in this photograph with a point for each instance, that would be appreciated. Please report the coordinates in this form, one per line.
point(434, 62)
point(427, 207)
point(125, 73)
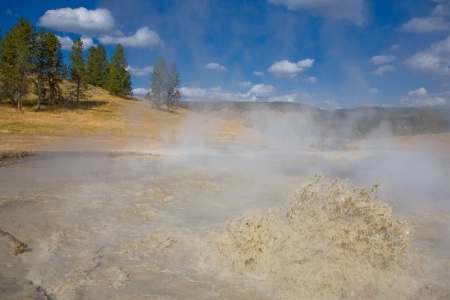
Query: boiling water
point(226, 224)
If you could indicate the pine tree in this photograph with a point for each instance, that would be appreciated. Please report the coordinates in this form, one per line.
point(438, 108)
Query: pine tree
point(40, 64)
point(90, 65)
point(165, 85)
point(118, 81)
point(101, 68)
point(16, 63)
point(77, 67)
point(97, 66)
point(55, 65)
point(173, 88)
point(159, 83)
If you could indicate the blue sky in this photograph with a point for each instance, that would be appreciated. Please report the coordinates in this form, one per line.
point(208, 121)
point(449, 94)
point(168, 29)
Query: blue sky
point(327, 53)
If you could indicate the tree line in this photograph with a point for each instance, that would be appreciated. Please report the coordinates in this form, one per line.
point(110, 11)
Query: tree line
point(30, 59)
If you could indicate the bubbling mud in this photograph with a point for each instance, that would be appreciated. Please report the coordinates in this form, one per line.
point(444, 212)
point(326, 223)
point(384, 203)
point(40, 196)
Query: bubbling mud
point(221, 225)
point(333, 241)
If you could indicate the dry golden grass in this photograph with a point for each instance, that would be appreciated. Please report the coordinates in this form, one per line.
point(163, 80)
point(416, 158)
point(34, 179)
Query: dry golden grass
point(103, 116)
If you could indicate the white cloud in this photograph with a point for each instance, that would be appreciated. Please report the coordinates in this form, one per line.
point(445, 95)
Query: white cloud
point(420, 92)
point(257, 73)
point(426, 25)
point(245, 84)
point(289, 69)
point(78, 20)
point(342, 9)
point(140, 72)
point(215, 66)
point(296, 97)
point(144, 37)
point(442, 9)
point(382, 59)
point(261, 91)
point(212, 94)
point(66, 42)
point(384, 69)
point(434, 60)
point(310, 79)
point(373, 90)
point(140, 91)
point(395, 47)
point(421, 97)
point(87, 42)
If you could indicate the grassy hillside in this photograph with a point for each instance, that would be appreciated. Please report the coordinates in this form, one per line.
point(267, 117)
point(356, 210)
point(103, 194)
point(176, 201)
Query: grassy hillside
point(102, 117)
point(100, 114)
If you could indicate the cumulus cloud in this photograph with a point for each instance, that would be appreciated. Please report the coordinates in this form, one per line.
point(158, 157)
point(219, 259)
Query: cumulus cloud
point(78, 20)
point(434, 60)
point(421, 97)
point(96, 23)
point(245, 84)
point(140, 91)
point(420, 92)
point(140, 71)
point(442, 9)
point(382, 59)
point(296, 97)
point(381, 70)
point(258, 92)
point(211, 94)
point(289, 69)
point(342, 9)
point(143, 38)
point(310, 79)
point(66, 42)
point(261, 91)
point(215, 66)
point(87, 42)
point(395, 47)
point(257, 73)
point(431, 24)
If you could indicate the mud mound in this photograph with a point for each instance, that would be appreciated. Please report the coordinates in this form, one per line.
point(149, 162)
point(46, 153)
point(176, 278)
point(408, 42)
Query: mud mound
point(333, 241)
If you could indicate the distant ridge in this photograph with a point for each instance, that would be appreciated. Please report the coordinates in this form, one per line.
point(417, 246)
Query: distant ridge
point(403, 120)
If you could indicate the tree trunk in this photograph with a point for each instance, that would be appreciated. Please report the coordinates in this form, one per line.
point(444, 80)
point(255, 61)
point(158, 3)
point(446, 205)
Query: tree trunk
point(78, 89)
point(19, 101)
point(39, 93)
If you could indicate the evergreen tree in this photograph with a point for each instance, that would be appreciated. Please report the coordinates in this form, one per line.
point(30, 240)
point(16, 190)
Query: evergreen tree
point(17, 51)
point(65, 72)
point(55, 65)
point(97, 66)
point(173, 88)
point(118, 81)
point(165, 85)
point(101, 68)
point(40, 64)
point(77, 67)
point(159, 83)
point(90, 65)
